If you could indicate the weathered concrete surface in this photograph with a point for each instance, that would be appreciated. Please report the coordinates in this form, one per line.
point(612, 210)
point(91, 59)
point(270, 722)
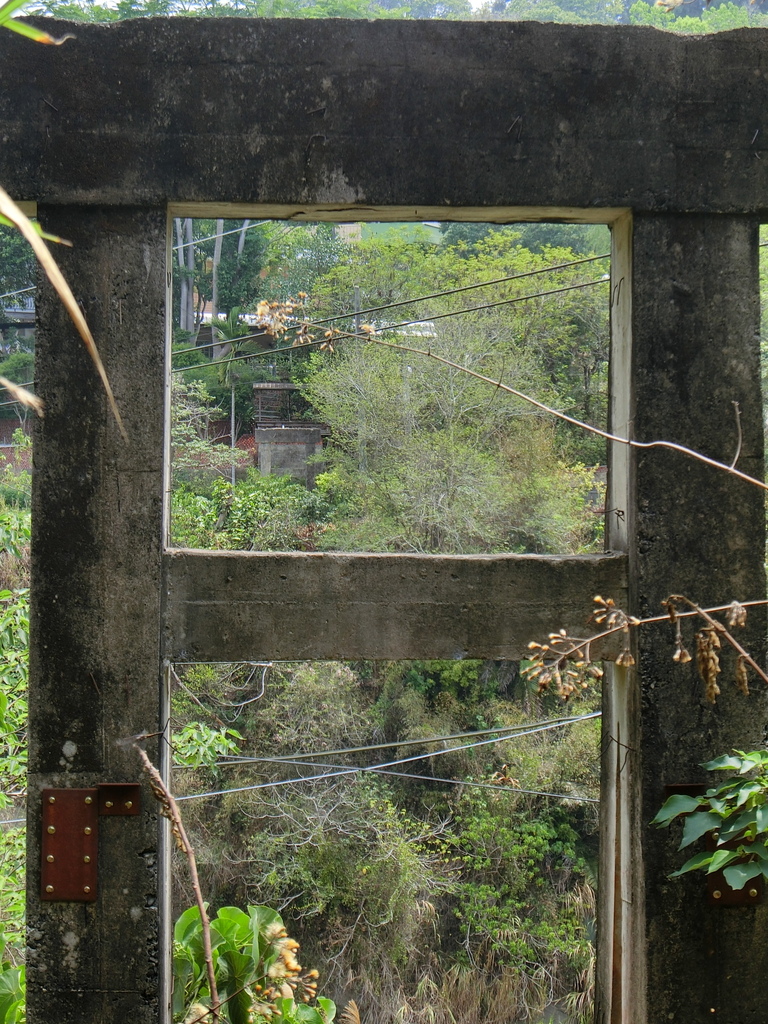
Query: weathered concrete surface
point(285, 451)
point(387, 113)
point(95, 652)
point(236, 606)
point(699, 532)
point(436, 119)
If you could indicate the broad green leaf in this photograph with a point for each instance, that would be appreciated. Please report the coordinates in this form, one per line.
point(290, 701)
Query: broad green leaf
point(720, 763)
point(677, 804)
point(307, 1014)
point(327, 1008)
point(187, 924)
point(236, 975)
point(235, 924)
point(738, 874)
point(750, 761)
point(11, 991)
point(722, 857)
point(701, 860)
point(747, 790)
point(183, 975)
point(696, 825)
point(261, 919)
point(731, 827)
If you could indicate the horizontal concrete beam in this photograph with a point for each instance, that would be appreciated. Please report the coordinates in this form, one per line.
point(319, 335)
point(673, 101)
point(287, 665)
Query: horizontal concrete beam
point(482, 115)
point(236, 606)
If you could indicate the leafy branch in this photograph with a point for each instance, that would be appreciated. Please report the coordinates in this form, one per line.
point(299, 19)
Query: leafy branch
point(734, 814)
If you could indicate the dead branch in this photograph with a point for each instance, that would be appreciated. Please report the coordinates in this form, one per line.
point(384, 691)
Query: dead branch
point(170, 810)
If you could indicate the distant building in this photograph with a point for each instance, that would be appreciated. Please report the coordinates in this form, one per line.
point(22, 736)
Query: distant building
point(283, 446)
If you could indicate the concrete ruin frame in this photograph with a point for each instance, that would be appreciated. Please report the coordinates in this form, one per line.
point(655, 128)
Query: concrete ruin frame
point(658, 135)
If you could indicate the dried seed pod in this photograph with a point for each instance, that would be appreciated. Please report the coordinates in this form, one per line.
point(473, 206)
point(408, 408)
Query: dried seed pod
point(737, 615)
point(625, 658)
point(681, 655)
point(742, 682)
point(708, 661)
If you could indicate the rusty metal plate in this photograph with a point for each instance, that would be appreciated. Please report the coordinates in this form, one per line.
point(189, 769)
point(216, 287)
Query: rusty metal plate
point(119, 798)
point(720, 893)
point(70, 844)
point(718, 890)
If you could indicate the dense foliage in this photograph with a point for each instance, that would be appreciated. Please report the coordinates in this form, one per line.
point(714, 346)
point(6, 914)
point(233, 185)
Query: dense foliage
point(420, 456)
point(258, 977)
point(409, 892)
point(734, 814)
point(687, 16)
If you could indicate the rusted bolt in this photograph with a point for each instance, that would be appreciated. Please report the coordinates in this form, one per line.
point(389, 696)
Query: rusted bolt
point(717, 894)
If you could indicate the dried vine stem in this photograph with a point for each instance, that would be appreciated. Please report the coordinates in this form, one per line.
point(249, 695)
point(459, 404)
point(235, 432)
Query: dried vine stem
point(170, 810)
point(368, 333)
point(565, 661)
point(670, 445)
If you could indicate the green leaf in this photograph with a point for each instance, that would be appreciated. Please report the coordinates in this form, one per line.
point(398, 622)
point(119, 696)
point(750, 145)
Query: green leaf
point(738, 874)
point(731, 828)
point(11, 992)
point(701, 860)
point(677, 804)
point(327, 1008)
point(183, 977)
point(720, 763)
point(236, 975)
point(761, 818)
point(233, 922)
point(9, 8)
point(722, 857)
point(187, 924)
point(696, 825)
point(747, 790)
point(35, 34)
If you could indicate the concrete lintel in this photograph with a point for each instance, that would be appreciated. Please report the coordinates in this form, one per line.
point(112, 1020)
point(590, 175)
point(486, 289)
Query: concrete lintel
point(484, 115)
point(235, 606)
point(340, 212)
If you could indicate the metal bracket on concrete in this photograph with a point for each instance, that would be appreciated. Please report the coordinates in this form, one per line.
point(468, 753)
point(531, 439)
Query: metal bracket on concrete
point(71, 835)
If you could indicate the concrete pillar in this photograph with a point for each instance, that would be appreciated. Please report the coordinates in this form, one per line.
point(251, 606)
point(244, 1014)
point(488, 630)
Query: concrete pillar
point(95, 655)
point(667, 954)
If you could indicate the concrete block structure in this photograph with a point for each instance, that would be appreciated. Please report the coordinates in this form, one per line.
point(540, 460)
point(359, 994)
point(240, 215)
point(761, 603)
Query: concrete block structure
point(660, 137)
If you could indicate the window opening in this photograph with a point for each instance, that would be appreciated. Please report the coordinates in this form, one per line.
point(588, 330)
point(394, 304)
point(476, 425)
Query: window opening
point(426, 829)
point(306, 417)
